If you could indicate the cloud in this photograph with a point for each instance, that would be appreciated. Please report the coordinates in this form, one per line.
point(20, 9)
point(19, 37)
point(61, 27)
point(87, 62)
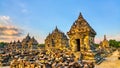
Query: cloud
point(23, 7)
point(5, 20)
point(4, 17)
point(20, 5)
point(24, 10)
point(98, 40)
point(9, 38)
point(8, 31)
point(115, 36)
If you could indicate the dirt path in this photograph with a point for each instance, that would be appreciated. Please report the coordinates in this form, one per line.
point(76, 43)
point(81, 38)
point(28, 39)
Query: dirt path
point(110, 62)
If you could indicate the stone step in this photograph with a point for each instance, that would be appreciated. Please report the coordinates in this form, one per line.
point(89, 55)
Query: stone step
point(100, 61)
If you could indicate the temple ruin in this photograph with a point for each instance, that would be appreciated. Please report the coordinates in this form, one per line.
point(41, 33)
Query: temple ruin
point(81, 35)
point(56, 39)
point(81, 40)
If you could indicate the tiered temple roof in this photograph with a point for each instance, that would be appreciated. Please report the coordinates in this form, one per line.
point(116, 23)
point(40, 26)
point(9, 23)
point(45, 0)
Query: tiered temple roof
point(56, 38)
point(28, 39)
point(24, 43)
point(81, 26)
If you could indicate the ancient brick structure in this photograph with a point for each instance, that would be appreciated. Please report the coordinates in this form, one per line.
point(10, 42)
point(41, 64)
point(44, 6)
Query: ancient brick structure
point(104, 45)
point(56, 39)
point(81, 40)
point(27, 42)
point(81, 35)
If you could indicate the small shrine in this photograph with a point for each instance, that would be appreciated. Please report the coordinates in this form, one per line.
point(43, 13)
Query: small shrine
point(104, 46)
point(56, 39)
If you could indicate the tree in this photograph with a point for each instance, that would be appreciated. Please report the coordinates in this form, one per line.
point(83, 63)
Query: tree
point(41, 45)
point(96, 45)
point(3, 44)
point(114, 43)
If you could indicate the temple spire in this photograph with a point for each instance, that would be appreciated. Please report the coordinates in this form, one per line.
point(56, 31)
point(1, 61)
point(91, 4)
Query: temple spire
point(104, 37)
point(33, 37)
point(80, 15)
point(49, 33)
point(28, 34)
point(56, 29)
point(28, 37)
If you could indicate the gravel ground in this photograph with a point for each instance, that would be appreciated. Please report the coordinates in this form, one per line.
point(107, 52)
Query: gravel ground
point(110, 62)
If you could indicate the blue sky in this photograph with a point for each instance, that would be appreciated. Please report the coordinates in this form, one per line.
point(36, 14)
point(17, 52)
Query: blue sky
point(39, 17)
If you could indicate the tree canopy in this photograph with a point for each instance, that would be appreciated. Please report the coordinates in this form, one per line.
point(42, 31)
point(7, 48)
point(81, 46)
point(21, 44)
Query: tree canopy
point(114, 43)
point(2, 44)
point(41, 45)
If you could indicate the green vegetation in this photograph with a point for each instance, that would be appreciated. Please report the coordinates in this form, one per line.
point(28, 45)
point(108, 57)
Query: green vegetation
point(41, 45)
point(2, 44)
point(114, 43)
point(96, 45)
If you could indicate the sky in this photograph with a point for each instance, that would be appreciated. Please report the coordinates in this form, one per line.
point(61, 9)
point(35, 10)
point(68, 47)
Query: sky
point(40, 17)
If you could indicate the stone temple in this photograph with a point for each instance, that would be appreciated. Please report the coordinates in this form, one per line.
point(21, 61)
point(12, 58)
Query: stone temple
point(81, 35)
point(81, 40)
point(26, 44)
point(56, 39)
point(104, 45)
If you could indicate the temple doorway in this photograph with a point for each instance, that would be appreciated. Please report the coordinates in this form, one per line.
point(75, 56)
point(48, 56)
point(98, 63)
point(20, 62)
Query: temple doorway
point(78, 44)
